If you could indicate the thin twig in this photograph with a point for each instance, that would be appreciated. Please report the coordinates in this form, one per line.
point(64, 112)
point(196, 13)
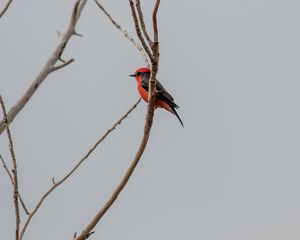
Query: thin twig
point(12, 182)
point(142, 22)
point(5, 8)
point(124, 31)
point(77, 34)
point(154, 20)
point(15, 172)
point(138, 30)
point(56, 184)
point(47, 69)
point(55, 68)
point(87, 231)
point(23, 205)
point(6, 169)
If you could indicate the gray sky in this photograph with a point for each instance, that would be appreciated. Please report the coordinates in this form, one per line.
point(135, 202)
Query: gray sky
point(232, 173)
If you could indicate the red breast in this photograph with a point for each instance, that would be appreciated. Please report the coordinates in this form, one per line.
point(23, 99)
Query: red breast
point(142, 91)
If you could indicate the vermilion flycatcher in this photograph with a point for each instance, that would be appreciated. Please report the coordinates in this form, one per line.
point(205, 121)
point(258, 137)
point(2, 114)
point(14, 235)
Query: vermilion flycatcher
point(163, 99)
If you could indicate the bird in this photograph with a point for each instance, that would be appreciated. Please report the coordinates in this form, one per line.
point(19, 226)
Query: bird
point(163, 98)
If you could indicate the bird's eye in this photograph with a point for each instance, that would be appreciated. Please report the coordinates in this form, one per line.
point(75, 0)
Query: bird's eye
point(138, 73)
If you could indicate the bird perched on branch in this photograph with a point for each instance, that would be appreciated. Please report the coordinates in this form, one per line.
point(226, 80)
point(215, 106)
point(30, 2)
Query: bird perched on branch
point(163, 98)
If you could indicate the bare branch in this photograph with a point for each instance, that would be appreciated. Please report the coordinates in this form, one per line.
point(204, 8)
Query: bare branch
point(77, 34)
point(12, 182)
point(138, 30)
point(148, 124)
point(15, 173)
point(142, 22)
point(154, 20)
point(149, 119)
point(6, 170)
point(5, 8)
point(56, 184)
point(64, 64)
point(124, 31)
point(155, 52)
point(47, 69)
point(23, 205)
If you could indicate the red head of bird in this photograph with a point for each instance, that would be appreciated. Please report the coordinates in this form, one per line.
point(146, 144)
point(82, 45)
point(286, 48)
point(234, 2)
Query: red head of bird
point(139, 73)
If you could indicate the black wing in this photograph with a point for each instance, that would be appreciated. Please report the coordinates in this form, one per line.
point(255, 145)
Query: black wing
point(162, 92)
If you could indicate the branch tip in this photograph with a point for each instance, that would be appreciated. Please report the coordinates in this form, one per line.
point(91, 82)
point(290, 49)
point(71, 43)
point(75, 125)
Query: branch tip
point(138, 30)
point(59, 34)
point(77, 34)
point(142, 22)
point(125, 33)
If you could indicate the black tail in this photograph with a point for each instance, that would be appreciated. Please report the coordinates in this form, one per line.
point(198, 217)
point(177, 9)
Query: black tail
point(176, 114)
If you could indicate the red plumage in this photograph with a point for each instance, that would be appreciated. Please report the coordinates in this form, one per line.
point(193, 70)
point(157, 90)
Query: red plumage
point(163, 99)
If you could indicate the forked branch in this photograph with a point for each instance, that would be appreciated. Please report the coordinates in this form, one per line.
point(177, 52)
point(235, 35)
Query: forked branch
point(125, 32)
point(57, 184)
point(49, 66)
point(88, 229)
point(138, 29)
point(14, 171)
point(86, 233)
point(142, 22)
point(12, 182)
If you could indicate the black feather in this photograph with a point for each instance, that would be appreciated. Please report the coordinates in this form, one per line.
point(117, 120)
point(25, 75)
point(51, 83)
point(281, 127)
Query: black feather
point(162, 94)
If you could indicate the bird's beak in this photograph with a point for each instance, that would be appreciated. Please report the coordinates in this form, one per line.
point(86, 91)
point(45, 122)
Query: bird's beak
point(132, 75)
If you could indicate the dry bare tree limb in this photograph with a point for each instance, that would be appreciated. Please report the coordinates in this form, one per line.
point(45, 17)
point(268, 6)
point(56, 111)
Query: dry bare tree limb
point(155, 52)
point(14, 171)
point(5, 8)
point(125, 32)
point(138, 30)
point(12, 182)
point(142, 22)
point(48, 68)
point(88, 229)
point(85, 234)
point(56, 184)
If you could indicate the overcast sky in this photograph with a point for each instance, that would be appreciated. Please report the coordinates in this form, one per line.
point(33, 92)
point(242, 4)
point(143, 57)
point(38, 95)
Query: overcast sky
point(231, 173)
